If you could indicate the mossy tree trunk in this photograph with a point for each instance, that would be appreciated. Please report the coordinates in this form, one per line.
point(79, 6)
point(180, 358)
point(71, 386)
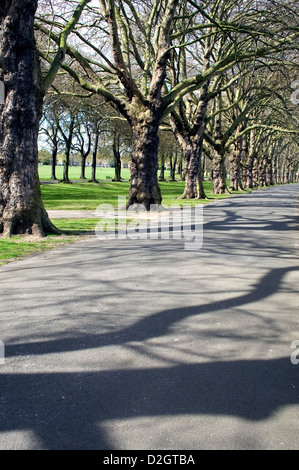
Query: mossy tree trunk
point(255, 171)
point(235, 167)
point(219, 173)
point(21, 207)
point(144, 188)
point(192, 151)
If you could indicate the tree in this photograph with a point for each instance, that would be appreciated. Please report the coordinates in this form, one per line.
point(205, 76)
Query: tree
point(69, 113)
point(83, 136)
point(21, 206)
point(49, 127)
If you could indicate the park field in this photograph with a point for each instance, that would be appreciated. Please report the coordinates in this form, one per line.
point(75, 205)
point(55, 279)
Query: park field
point(74, 173)
point(88, 196)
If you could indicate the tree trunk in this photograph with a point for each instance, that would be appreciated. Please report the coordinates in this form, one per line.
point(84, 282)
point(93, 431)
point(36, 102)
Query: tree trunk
point(54, 162)
point(219, 174)
point(144, 187)
point(250, 161)
point(269, 172)
point(94, 160)
point(235, 164)
point(234, 168)
point(275, 170)
point(249, 171)
point(68, 142)
point(180, 166)
point(173, 167)
point(255, 171)
point(84, 154)
point(66, 165)
point(263, 172)
point(21, 207)
point(117, 160)
point(162, 168)
point(83, 165)
point(193, 169)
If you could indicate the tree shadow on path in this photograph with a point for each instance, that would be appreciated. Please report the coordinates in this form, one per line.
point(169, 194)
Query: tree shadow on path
point(66, 410)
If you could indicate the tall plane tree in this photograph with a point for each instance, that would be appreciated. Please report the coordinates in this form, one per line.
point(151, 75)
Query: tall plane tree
point(21, 206)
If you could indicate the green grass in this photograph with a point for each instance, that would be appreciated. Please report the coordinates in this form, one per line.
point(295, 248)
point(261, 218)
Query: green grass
point(18, 247)
point(88, 196)
point(75, 226)
point(82, 196)
point(74, 173)
point(84, 226)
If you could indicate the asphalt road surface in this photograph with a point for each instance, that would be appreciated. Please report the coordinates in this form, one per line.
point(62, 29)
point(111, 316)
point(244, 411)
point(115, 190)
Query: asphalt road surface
point(159, 343)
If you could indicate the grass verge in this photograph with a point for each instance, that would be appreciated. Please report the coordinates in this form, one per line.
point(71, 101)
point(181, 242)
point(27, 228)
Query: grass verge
point(19, 247)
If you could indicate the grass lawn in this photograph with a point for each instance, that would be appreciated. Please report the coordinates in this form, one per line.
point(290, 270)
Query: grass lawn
point(19, 247)
point(88, 196)
point(83, 226)
point(74, 173)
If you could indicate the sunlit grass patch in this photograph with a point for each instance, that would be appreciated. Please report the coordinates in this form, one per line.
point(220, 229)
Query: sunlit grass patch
point(18, 247)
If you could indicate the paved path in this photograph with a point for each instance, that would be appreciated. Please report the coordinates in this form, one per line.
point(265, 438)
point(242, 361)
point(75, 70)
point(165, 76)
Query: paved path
point(142, 344)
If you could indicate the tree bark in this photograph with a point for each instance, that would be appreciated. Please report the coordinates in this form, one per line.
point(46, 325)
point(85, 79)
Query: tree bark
point(192, 152)
point(235, 166)
point(162, 168)
point(68, 145)
point(21, 207)
point(173, 166)
point(84, 152)
point(219, 174)
point(83, 165)
point(250, 161)
point(263, 171)
point(249, 172)
point(255, 171)
point(66, 165)
point(54, 162)
point(94, 159)
point(117, 160)
point(144, 188)
point(269, 173)
point(180, 167)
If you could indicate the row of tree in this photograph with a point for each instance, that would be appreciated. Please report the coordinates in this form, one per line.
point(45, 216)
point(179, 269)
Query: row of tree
point(215, 74)
point(72, 126)
point(94, 132)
